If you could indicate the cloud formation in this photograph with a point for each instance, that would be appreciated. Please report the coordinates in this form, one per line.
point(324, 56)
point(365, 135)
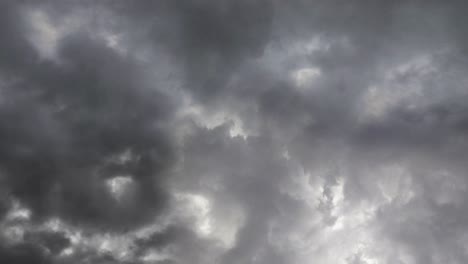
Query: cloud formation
point(251, 131)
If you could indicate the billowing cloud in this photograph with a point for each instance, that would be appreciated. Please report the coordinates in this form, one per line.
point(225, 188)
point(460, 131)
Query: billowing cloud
point(252, 131)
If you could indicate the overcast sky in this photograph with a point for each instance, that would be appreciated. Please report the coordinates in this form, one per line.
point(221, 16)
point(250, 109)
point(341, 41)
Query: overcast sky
point(234, 132)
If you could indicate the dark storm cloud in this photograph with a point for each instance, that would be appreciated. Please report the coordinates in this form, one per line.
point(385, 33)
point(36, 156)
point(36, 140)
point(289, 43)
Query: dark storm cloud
point(16, 52)
point(22, 254)
point(37, 247)
point(350, 143)
point(65, 127)
point(209, 38)
point(54, 242)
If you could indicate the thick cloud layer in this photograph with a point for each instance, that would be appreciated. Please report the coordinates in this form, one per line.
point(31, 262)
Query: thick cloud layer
point(252, 131)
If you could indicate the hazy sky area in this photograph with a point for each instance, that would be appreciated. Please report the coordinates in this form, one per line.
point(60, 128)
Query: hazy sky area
point(234, 132)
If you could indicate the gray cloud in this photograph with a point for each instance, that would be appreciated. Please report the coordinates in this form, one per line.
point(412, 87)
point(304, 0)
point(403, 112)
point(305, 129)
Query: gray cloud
point(233, 132)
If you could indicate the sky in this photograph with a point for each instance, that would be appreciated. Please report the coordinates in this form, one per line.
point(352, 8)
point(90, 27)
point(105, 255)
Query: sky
point(233, 132)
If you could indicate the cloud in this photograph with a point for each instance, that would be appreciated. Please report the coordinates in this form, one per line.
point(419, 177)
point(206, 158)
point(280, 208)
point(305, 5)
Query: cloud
point(227, 132)
point(68, 126)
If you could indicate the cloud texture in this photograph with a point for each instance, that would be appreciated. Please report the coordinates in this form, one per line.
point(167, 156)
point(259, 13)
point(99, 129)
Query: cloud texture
point(222, 131)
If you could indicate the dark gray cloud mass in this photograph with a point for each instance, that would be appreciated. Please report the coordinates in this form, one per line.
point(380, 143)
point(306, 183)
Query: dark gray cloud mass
point(222, 131)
